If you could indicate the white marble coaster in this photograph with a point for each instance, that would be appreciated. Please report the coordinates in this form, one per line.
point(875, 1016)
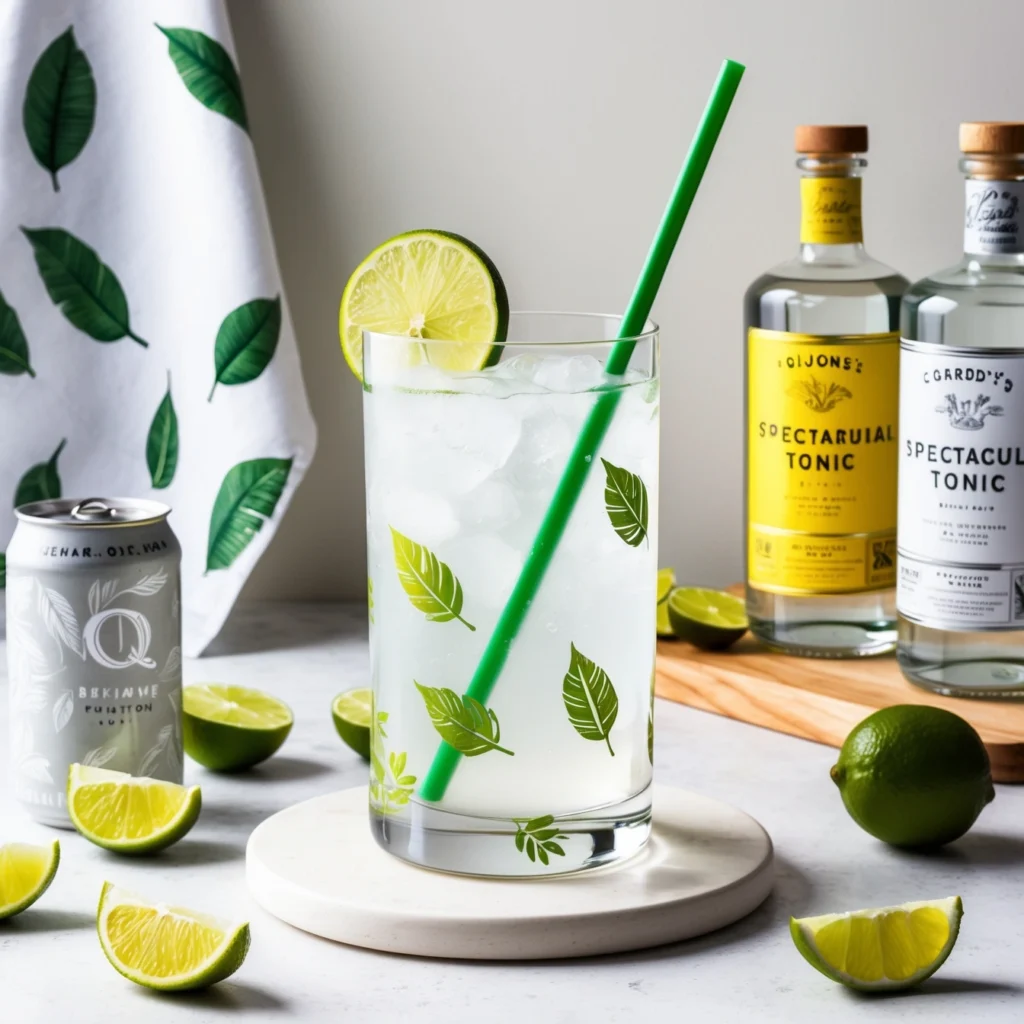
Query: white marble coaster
point(316, 866)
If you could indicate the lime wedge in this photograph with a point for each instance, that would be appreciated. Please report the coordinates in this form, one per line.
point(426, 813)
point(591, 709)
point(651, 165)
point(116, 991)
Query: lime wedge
point(25, 874)
point(886, 948)
point(230, 728)
point(666, 581)
point(709, 619)
point(351, 711)
point(429, 285)
point(126, 814)
point(164, 947)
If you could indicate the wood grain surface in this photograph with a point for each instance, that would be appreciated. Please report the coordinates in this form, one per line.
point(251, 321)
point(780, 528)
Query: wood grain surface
point(819, 699)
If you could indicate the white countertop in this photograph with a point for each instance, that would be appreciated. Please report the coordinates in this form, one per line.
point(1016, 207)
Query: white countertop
point(52, 968)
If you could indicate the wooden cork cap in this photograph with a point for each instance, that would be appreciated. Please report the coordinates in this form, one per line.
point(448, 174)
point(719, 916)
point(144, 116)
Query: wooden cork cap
point(992, 137)
point(831, 138)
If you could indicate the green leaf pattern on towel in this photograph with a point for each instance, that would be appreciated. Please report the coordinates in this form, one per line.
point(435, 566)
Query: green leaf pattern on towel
point(60, 105)
point(208, 72)
point(162, 442)
point(41, 482)
point(246, 342)
point(86, 290)
point(13, 346)
point(246, 500)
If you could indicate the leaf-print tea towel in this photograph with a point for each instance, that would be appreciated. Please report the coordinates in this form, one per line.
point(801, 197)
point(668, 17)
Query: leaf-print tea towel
point(145, 343)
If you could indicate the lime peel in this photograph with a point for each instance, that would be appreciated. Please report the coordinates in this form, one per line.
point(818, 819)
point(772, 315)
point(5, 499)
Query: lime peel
point(230, 728)
point(881, 949)
point(138, 937)
point(351, 712)
point(126, 814)
point(431, 285)
point(26, 872)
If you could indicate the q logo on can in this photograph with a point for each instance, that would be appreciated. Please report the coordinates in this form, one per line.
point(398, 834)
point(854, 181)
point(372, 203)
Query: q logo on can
point(136, 654)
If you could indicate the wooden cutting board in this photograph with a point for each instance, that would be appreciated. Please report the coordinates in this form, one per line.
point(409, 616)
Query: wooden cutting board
point(820, 699)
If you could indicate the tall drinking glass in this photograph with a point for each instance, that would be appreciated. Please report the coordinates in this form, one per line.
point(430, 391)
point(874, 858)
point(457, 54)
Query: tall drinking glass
point(554, 773)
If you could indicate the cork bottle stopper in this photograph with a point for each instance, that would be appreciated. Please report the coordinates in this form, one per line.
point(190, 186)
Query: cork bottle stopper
point(831, 138)
point(992, 137)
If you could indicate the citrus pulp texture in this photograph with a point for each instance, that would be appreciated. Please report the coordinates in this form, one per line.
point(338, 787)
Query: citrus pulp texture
point(167, 948)
point(26, 872)
point(883, 949)
point(432, 285)
point(709, 619)
point(129, 815)
point(231, 728)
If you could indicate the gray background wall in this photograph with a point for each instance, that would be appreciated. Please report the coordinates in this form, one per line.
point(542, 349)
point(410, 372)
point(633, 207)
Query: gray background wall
point(550, 132)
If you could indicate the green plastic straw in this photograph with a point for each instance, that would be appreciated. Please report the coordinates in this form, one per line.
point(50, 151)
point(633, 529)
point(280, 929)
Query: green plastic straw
point(596, 426)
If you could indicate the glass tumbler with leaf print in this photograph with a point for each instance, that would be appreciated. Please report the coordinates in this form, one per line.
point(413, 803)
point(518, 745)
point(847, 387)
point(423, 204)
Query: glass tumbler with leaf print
point(552, 771)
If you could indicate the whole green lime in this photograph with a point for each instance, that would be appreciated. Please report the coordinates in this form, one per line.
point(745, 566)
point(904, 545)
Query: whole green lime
point(914, 776)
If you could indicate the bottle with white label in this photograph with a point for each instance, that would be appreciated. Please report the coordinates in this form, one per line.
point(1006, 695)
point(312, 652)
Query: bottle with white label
point(960, 591)
point(821, 439)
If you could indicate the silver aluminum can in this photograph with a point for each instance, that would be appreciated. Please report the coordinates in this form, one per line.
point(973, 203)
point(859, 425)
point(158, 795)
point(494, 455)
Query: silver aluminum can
point(93, 645)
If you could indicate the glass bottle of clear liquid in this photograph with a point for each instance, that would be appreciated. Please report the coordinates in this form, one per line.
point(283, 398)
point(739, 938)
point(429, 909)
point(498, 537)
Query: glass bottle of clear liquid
point(961, 493)
point(822, 402)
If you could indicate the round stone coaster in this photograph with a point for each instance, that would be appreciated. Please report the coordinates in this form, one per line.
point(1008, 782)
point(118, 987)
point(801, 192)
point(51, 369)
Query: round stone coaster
point(316, 866)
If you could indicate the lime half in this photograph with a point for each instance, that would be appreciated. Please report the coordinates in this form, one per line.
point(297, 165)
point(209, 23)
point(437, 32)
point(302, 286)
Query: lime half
point(884, 949)
point(666, 581)
point(709, 619)
point(429, 285)
point(164, 947)
point(25, 874)
point(230, 728)
point(127, 814)
point(351, 712)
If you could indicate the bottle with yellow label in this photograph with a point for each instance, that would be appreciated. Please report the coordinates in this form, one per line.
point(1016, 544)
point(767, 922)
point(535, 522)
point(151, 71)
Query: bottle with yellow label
point(822, 398)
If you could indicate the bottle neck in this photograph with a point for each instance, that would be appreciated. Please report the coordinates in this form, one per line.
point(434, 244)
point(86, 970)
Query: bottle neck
point(993, 216)
point(830, 201)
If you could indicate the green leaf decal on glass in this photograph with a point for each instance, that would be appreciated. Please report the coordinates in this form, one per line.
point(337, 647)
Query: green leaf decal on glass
point(162, 442)
point(60, 105)
point(246, 500)
point(87, 290)
point(246, 342)
point(432, 587)
point(390, 785)
point(590, 699)
point(650, 721)
point(536, 838)
point(208, 72)
point(464, 723)
point(41, 482)
point(13, 346)
point(3, 570)
point(625, 499)
point(369, 597)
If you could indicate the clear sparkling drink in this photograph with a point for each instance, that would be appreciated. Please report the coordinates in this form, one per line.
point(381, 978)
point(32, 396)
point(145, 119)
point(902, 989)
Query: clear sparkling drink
point(461, 467)
point(961, 518)
point(822, 409)
point(93, 645)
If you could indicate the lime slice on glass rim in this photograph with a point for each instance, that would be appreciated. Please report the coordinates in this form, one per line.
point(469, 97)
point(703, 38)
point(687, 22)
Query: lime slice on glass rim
point(230, 728)
point(126, 814)
point(709, 619)
point(26, 872)
point(883, 949)
point(666, 583)
point(351, 712)
point(429, 285)
point(167, 948)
